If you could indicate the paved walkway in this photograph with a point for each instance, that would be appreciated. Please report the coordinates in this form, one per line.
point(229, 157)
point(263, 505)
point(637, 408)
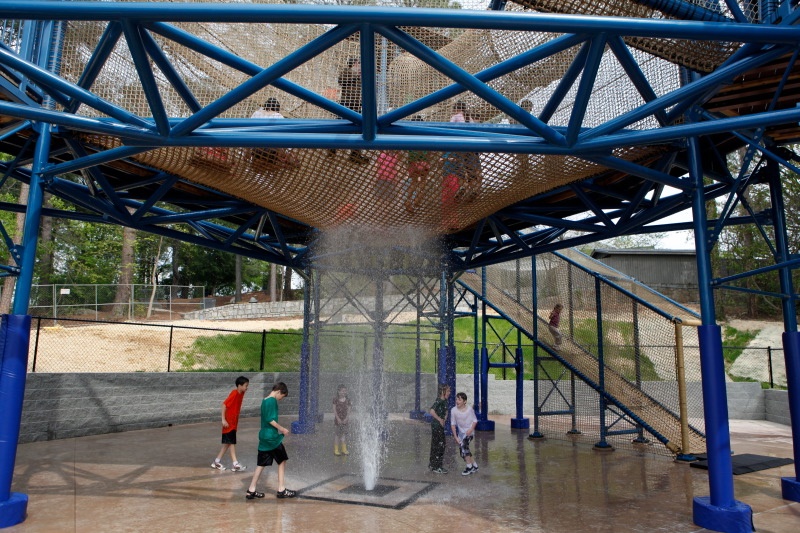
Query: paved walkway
point(160, 480)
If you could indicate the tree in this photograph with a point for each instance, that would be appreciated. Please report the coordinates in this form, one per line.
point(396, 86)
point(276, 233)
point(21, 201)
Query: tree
point(9, 283)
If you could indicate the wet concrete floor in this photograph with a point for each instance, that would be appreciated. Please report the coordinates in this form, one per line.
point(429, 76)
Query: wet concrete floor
point(160, 480)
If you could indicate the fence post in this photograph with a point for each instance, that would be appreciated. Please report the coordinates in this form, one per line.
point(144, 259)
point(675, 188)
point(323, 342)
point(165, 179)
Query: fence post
point(169, 350)
point(263, 349)
point(36, 343)
point(680, 370)
point(769, 365)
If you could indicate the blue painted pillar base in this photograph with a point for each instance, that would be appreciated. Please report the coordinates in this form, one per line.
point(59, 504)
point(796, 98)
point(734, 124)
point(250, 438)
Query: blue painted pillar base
point(520, 423)
point(735, 519)
point(300, 428)
point(417, 415)
point(790, 489)
point(485, 425)
point(603, 447)
point(574, 432)
point(685, 458)
point(13, 510)
point(536, 435)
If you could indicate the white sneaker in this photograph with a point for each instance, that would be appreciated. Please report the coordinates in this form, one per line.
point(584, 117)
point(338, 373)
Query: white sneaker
point(238, 467)
point(467, 471)
point(217, 466)
point(474, 468)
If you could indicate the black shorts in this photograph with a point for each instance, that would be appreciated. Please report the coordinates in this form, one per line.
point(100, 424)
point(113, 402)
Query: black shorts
point(276, 454)
point(229, 437)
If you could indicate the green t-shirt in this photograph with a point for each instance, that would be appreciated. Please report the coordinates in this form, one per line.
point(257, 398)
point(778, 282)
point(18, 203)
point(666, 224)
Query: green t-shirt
point(269, 437)
point(440, 408)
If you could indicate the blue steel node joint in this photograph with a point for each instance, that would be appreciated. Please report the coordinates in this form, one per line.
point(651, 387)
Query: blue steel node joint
point(737, 518)
point(536, 435)
point(685, 458)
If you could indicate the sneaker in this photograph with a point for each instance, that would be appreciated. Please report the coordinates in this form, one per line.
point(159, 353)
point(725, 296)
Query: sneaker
point(238, 467)
point(286, 493)
point(217, 466)
point(439, 470)
point(474, 468)
point(253, 494)
point(467, 471)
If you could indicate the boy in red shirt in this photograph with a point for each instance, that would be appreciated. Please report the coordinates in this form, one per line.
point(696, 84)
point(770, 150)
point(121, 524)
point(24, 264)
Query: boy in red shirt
point(230, 420)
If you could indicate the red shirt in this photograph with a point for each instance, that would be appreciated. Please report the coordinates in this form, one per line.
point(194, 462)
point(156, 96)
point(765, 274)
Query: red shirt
point(233, 404)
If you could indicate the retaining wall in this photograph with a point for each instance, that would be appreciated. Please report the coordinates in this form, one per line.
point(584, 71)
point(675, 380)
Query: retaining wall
point(777, 406)
point(60, 406)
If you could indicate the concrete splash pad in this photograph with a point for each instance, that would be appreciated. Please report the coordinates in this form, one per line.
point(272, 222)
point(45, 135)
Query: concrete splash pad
point(160, 480)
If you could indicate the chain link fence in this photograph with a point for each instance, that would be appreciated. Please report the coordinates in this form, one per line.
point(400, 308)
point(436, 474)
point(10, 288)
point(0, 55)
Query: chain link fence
point(765, 365)
point(70, 345)
point(116, 301)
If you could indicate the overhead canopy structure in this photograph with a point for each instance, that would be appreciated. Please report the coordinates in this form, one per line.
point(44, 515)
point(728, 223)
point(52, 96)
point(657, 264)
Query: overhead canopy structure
point(579, 121)
point(152, 110)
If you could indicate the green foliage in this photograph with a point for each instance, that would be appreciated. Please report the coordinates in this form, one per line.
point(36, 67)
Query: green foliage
point(86, 253)
point(242, 352)
point(732, 338)
point(353, 346)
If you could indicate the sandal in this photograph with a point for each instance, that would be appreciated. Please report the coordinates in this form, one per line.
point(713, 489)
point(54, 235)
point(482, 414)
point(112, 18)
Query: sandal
point(287, 493)
point(253, 494)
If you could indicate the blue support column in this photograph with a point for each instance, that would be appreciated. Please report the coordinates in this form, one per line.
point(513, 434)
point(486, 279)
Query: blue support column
point(316, 281)
point(14, 346)
point(790, 487)
point(535, 434)
point(719, 511)
point(442, 367)
point(417, 413)
point(476, 362)
point(14, 340)
point(451, 348)
point(304, 424)
point(484, 424)
point(602, 444)
point(519, 422)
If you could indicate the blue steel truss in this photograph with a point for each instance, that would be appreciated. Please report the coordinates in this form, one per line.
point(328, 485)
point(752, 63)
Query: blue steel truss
point(161, 203)
point(628, 198)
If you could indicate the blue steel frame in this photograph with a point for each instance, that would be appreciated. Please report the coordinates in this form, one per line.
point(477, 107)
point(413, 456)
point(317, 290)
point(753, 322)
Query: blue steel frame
point(493, 239)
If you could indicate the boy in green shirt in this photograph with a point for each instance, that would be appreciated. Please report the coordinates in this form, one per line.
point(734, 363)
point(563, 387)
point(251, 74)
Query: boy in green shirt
point(270, 443)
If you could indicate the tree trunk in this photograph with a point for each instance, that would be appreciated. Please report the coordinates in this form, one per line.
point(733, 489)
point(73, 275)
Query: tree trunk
point(123, 297)
point(45, 263)
point(287, 284)
point(154, 278)
point(177, 278)
point(11, 281)
point(237, 297)
point(273, 282)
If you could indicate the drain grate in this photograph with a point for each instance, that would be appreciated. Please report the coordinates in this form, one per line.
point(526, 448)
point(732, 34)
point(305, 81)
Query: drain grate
point(388, 493)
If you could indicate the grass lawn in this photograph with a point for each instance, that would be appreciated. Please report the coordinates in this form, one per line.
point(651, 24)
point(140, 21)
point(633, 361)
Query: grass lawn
point(352, 346)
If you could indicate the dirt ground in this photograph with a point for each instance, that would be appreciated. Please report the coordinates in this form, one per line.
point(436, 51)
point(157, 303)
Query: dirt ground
point(121, 347)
